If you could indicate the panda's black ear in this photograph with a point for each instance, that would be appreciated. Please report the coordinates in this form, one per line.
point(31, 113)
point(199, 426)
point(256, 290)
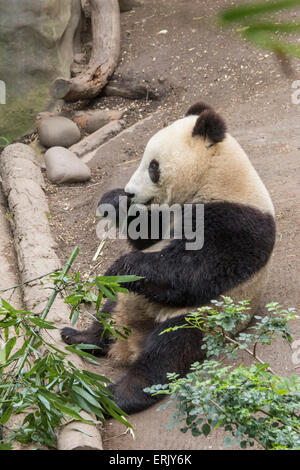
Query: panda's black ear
point(197, 108)
point(211, 126)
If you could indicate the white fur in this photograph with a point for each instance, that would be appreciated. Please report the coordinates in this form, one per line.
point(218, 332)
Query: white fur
point(190, 171)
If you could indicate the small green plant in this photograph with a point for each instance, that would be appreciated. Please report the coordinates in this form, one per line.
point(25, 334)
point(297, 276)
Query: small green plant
point(92, 291)
point(253, 22)
point(46, 387)
point(3, 142)
point(251, 403)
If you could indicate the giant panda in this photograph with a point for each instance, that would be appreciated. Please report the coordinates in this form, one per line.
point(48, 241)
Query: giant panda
point(195, 161)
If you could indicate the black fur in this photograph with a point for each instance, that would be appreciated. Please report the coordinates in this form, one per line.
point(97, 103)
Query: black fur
point(112, 197)
point(210, 125)
point(238, 241)
point(197, 108)
point(154, 171)
point(170, 352)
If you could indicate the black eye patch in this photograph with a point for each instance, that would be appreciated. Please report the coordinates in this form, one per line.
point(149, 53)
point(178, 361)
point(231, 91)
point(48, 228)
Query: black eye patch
point(154, 172)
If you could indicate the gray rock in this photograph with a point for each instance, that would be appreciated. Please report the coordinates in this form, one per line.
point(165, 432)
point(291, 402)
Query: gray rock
point(58, 131)
point(36, 46)
point(63, 166)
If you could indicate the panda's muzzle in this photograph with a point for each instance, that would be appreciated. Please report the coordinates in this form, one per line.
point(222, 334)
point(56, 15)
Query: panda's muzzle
point(130, 195)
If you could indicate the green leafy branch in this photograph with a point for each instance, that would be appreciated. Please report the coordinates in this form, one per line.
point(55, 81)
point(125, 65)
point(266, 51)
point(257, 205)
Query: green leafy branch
point(3, 142)
point(79, 293)
point(250, 403)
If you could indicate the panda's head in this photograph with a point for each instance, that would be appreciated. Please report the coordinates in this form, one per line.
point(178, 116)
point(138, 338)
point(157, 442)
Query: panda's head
point(177, 157)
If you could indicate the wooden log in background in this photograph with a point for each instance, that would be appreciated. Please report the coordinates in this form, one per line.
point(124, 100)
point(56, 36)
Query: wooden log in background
point(23, 185)
point(105, 19)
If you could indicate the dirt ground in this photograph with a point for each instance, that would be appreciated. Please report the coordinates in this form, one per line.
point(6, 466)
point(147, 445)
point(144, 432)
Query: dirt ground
point(194, 60)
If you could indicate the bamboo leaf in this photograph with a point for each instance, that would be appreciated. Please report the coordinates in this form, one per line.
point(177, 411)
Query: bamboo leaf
point(117, 279)
point(107, 292)
point(84, 394)
point(84, 354)
point(242, 12)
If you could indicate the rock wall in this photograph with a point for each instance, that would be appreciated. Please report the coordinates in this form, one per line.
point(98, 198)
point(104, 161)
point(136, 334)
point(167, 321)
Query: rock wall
point(36, 46)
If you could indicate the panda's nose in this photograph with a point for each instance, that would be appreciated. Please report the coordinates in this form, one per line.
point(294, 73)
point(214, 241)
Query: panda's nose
point(130, 195)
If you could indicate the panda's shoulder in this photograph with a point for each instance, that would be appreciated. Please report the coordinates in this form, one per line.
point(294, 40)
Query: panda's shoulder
point(232, 220)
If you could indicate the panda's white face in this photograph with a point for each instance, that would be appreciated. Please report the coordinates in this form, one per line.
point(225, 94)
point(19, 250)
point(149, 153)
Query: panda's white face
point(171, 166)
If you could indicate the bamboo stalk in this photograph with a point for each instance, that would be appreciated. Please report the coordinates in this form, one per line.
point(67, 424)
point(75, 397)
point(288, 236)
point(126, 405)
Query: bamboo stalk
point(28, 282)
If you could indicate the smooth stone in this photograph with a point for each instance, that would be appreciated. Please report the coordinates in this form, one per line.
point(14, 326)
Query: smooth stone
point(63, 166)
point(58, 131)
point(41, 117)
point(36, 46)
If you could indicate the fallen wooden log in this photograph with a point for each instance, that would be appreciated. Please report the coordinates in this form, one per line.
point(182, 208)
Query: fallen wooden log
point(79, 436)
point(93, 141)
point(8, 264)
point(113, 152)
point(105, 19)
point(92, 120)
point(8, 278)
point(132, 92)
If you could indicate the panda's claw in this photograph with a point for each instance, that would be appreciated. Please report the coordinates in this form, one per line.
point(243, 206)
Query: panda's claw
point(70, 335)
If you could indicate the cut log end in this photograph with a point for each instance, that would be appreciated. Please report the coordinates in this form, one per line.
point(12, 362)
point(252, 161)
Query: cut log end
point(60, 88)
point(79, 436)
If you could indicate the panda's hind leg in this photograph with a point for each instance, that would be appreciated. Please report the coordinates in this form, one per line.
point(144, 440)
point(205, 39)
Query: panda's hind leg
point(170, 352)
point(93, 335)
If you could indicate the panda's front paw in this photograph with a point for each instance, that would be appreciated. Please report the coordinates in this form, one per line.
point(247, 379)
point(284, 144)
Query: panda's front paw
point(70, 335)
point(112, 197)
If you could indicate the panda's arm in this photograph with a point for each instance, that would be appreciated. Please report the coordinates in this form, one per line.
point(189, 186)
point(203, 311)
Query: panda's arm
point(161, 280)
point(112, 198)
point(238, 242)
